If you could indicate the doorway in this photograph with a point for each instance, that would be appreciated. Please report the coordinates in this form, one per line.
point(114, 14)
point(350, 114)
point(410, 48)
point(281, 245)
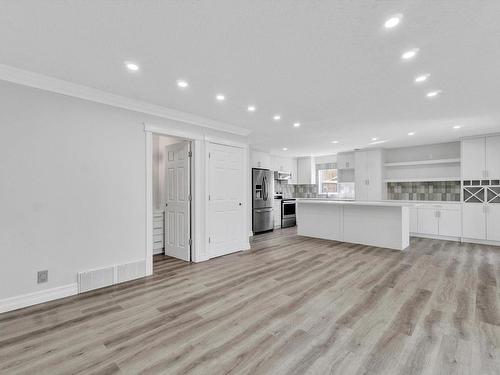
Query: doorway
point(171, 197)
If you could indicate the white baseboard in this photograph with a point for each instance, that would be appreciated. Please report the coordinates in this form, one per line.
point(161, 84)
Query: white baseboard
point(435, 237)
point(481, 242)
point(30, 299)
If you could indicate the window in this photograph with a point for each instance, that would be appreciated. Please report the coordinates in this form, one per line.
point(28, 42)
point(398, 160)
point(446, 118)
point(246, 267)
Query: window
point(327, 181)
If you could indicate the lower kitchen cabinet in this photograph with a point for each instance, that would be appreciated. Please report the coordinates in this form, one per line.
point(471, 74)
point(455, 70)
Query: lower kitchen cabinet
point(428, 221)
point(481, 221)
point(277, 213)
point(493, 222)
point(436, 220)
point(474, 221)
point(450, 223)
point(413, 220)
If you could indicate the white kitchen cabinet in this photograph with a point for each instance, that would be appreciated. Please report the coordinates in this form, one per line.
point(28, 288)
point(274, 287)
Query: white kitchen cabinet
point(345, 160)
point(293, 179)
point(277, 213)
point(474, 221)
point(259, 159)
point(438, 220)
point(413, 220)
point(450, 223)
point(493, 222)
point(493, 157)
point(306, 170)
point(473, 158)
point(368, 175)
point(428, 221)
point(481, 158)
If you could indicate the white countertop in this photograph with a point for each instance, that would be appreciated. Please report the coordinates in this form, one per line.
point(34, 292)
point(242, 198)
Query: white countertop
point(353, 202)
point(406, 203)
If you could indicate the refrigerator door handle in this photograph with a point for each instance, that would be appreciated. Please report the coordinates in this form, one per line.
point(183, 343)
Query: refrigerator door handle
point(264, 188)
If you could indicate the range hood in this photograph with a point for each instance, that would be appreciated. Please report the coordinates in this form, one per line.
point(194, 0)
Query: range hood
point(282, 176)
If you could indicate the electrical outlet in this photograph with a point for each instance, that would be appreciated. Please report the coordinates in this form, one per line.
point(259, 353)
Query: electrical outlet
point(43, 276)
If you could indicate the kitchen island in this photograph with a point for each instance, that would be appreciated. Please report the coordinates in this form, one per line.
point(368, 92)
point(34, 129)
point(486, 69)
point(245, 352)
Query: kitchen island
point(374, 223)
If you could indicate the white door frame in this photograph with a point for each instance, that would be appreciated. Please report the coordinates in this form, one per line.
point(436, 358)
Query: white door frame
point(199, 188)
point(197, 227)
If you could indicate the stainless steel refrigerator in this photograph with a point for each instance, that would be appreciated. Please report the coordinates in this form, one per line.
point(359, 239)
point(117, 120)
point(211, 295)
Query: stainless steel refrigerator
point(262, 200)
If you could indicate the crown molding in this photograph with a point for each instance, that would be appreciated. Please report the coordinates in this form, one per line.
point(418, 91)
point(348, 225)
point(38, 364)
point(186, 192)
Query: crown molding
point(47, 83)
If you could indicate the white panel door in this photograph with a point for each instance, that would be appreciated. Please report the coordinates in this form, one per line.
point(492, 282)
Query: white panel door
point(177, 208)
point(473, 221)
point(428, 221)
point(473, 158)
point(227, 190)
point(493, 157)
point(493, 221)
point(450, 223)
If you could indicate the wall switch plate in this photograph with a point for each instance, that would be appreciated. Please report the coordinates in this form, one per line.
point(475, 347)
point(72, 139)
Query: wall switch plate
point(43, 276)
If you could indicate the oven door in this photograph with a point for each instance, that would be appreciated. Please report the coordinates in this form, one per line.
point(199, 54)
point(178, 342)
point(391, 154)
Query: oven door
point(288, 209)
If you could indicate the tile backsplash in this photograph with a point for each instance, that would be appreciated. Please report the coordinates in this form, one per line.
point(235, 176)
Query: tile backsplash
point(424, 191)
point(307, 191)
point(421, 191)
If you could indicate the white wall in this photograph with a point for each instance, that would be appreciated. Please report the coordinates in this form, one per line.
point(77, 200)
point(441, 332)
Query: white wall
point(72, 191)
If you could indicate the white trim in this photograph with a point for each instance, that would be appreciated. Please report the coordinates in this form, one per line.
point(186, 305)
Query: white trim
point(47, 83)
point(165, 130)
point(25, 300)
point(149, 203)
point(226, 142)
point(481, 242)
point(435, 237)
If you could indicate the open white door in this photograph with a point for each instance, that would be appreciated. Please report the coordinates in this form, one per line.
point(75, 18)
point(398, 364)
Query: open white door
point(227, 190)
point(177, 200)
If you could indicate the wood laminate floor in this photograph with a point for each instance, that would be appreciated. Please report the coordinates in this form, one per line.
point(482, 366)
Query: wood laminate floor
point(291, 305)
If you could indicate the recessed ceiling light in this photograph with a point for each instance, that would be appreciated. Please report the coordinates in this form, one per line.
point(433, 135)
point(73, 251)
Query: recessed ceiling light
point(410, 54)
point(277, 117)
point(432, 94)
point(457, 127)
point(251, 108)
point(296, 124)
point(285, 149)
point(220, 97)
point(132, 66)
point(335, 142)
point(422, 78)
point(411, 133)
point(182, 84)
point(393, 21)
point(374, 139)
point(378, 142)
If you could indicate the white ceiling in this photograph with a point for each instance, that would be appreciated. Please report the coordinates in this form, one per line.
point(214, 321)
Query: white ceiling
point(328, 64)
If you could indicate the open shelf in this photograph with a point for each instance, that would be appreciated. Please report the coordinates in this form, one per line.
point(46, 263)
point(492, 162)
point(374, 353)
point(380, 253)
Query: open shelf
point(422, 179)
point(423, 162)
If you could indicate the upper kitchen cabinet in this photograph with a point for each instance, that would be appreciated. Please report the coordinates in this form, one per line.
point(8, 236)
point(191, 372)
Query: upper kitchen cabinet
point(345, 160)
point(368, 174)
point(283, 164)
point(259, 159)
point(493, 157)
point(306, 170)
point(481, 158)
